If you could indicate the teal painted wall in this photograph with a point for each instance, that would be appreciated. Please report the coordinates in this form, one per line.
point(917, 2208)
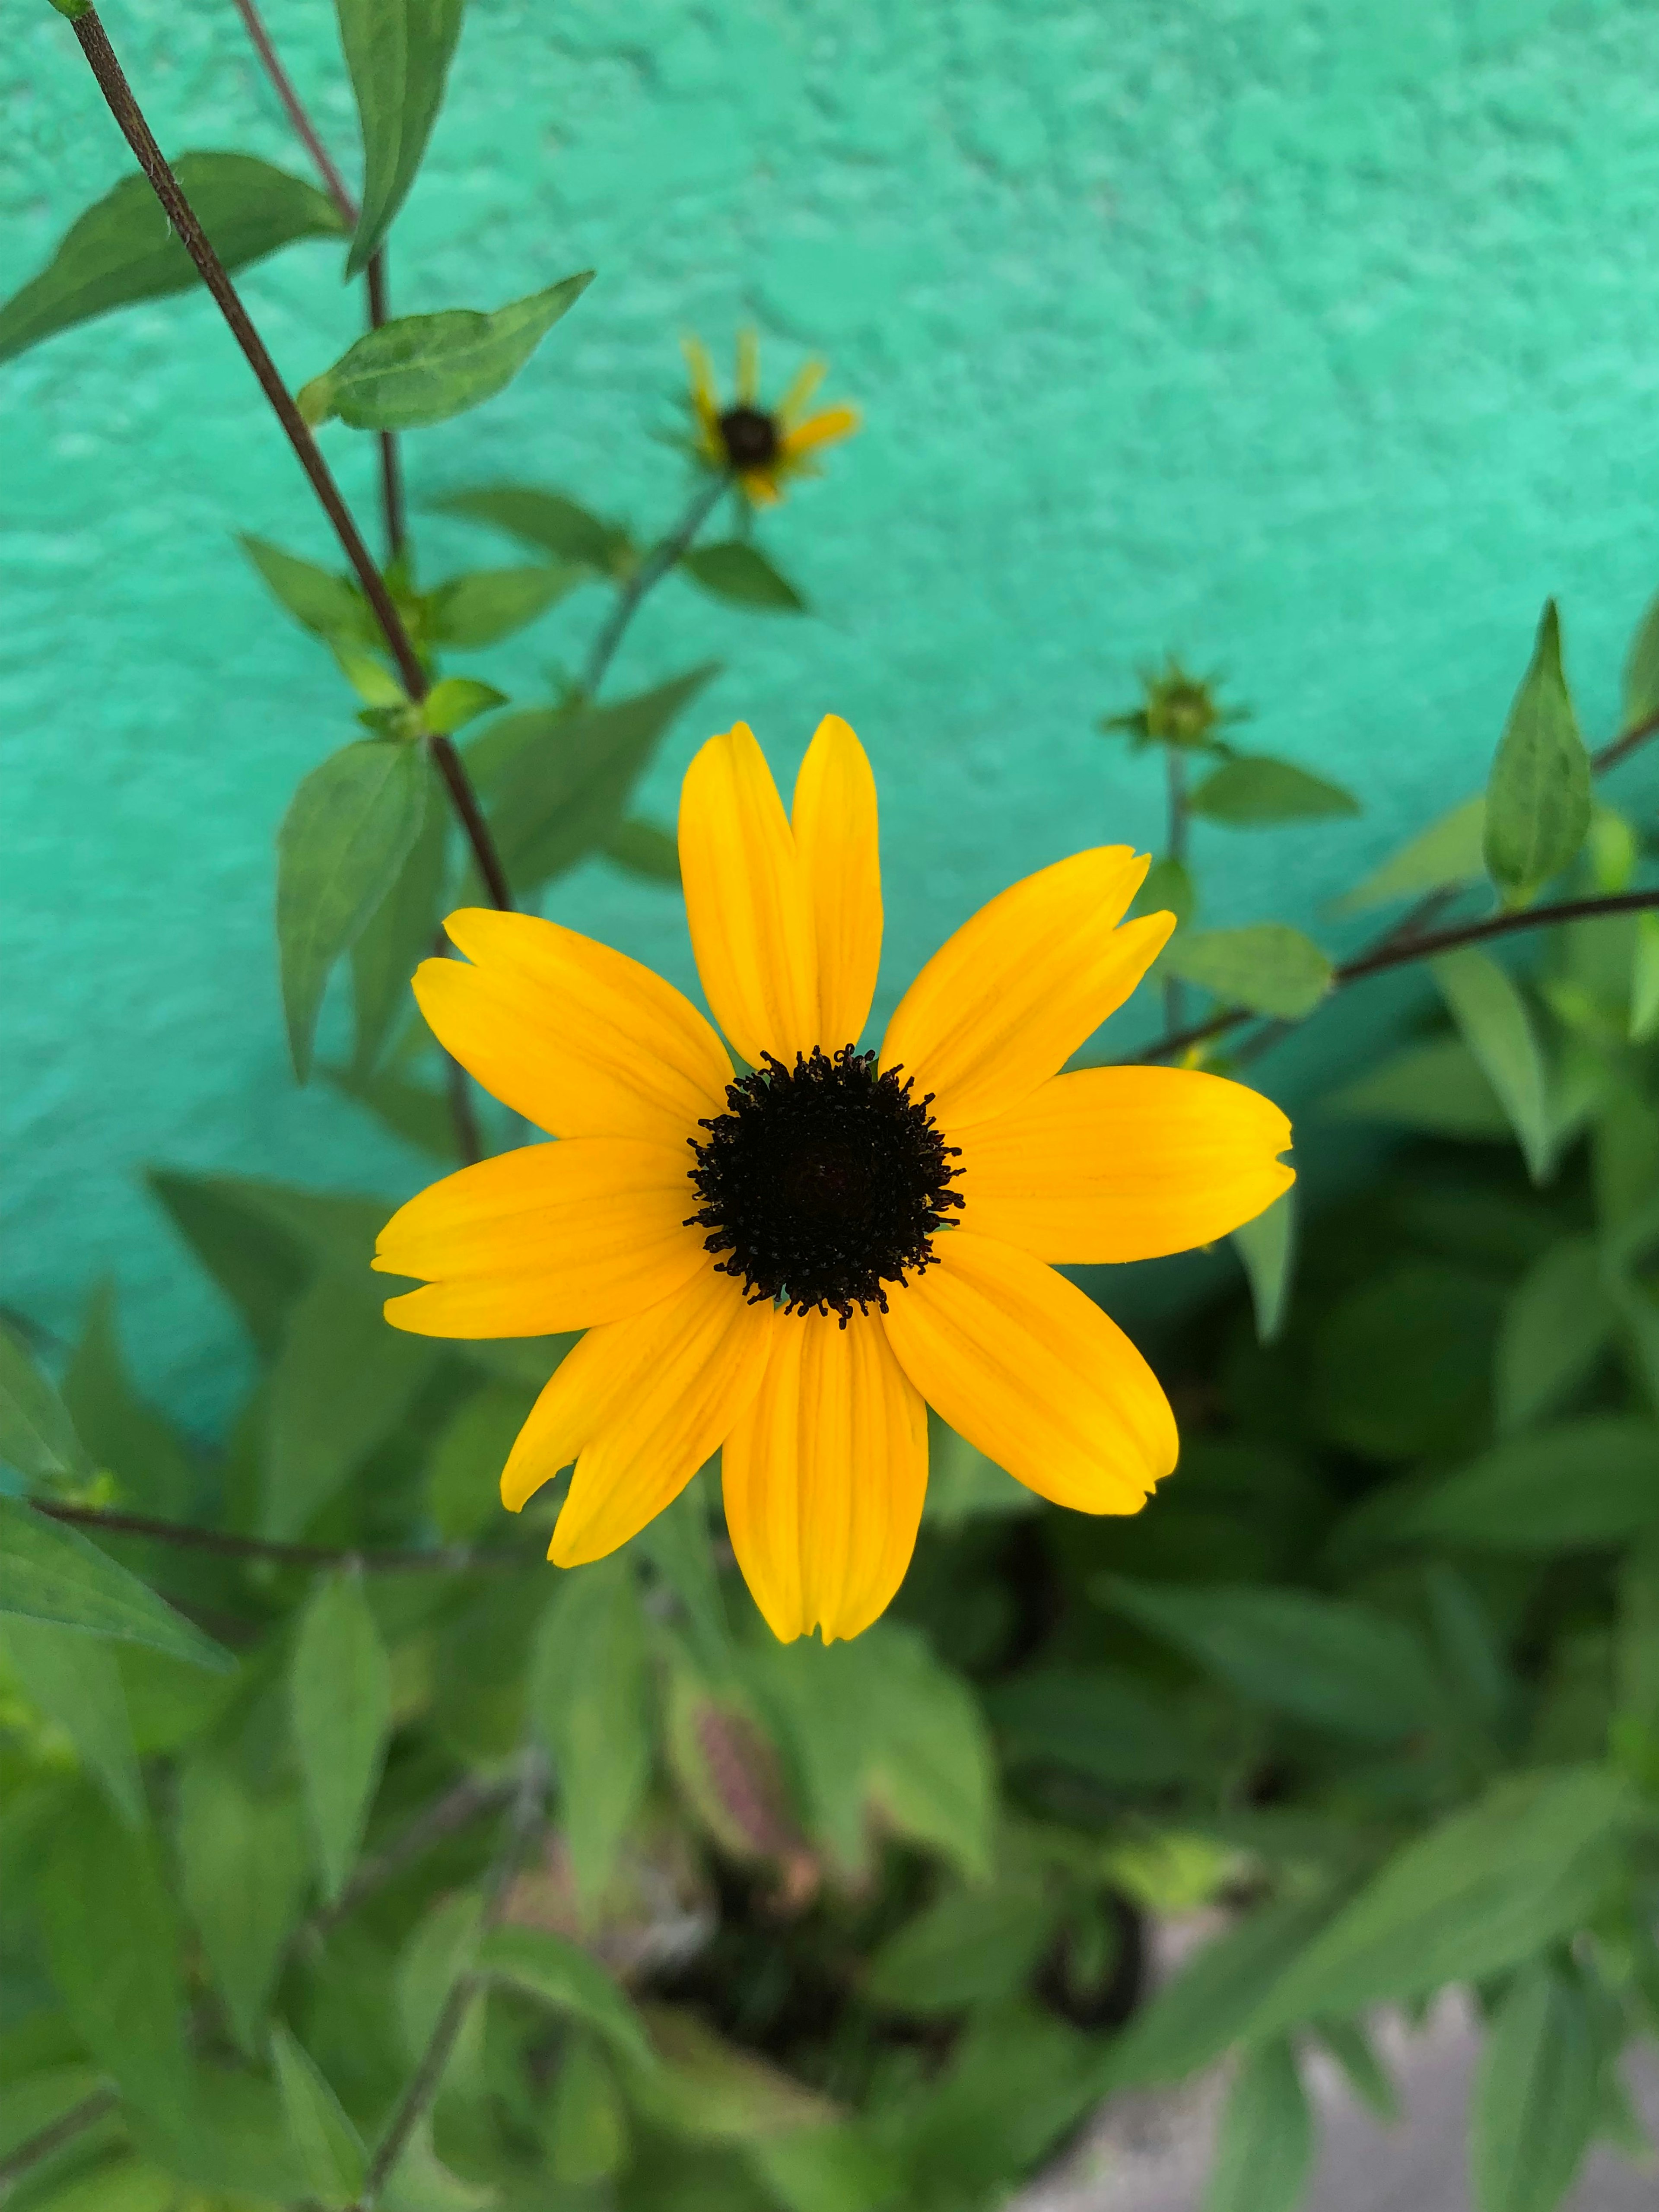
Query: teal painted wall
point(1319, 341)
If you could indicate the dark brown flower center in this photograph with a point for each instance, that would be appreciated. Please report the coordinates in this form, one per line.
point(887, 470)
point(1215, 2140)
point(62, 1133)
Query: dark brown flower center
point(749, 435)
point(822, 1183)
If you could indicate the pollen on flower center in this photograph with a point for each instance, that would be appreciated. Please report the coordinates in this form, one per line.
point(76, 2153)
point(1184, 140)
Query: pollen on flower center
point(822, 1183)
point(749, 435)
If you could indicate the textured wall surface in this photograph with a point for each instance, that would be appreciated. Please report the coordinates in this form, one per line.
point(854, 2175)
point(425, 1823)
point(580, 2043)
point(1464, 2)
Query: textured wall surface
point(1317, 341)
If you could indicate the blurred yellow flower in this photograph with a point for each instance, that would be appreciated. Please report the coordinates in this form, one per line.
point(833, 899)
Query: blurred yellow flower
point(761, 447)
point(790, 1265)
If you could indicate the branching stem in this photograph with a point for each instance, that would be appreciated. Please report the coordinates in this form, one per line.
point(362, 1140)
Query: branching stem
point(649, 573)
point(450, 1558)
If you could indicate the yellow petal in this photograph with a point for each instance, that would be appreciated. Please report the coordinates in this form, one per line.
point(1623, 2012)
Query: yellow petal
point(834, 819)
point(804, 382)
point(1124, 1164)
point(639, 1405)
point(550, 1238)
point(823, 1478)
point(581, 1040)
point(747, 902)
point(759, 488)
point(705, 394)
point(1005, 1002)
point(821, 429)
point(1018, 1360)
point(747, 384)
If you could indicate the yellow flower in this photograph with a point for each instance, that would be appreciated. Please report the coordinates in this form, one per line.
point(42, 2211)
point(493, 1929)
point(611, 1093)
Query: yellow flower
point(761, 447)
point(790, 1265)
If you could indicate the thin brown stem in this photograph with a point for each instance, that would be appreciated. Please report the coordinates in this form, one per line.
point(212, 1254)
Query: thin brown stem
point(304, 128)
point(1622, 746)
point(76, 2122)
point(441, 1819)
point(645, 579)
point(449, 1560)
point(393, 513)
point(117, 92)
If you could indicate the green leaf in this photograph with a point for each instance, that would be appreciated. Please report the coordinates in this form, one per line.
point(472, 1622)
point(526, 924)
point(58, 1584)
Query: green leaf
point(37, 1436)
point(458, 700)
point(123, 250)
point(342, 1381)
point(1586, 1484)
point(741, 574)
point(1364, 2072)
point(1255, 792)
point(329, 2149)
point(74, 1681)
point(1449, 853)
point(644, 850)
point(122, 1433)
point(1267, 968)
point(463, 1473)
point(442, 1948)
point(113, 1943)
point(1490, 1886)
point(677, 1544)
point(1556, 1324)
point(1641, 690)
point(491, 604)
point(707, 2089)
point(1402, 1362)
point(967, 1946)
point(1168, 888)
point(245, 1864)
point(555, 781)
point(328, 605)
point(340, 1706)
point(569, 1981)
point(398, 936)
point(1268, 1247)
point(1101, 1722)
point(587, 1705)
point(346, 834)
point(1492, 1017)
point(49, 1572)
point(1438, 1087)
point(588, 2127)
point(1644, 981)
point(1536, 2094)
point(1265, 2144)
point(421, 369)
point(1333, 1664)
point(398, 54)
point(260, 1264)
point(1538, 799)
point(559, 526)
point(419, 1116)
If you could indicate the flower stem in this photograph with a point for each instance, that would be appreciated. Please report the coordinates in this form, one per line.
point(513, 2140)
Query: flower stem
point(29, 2153)
point(451, 1558)
point(118, 96)
point(649, 573)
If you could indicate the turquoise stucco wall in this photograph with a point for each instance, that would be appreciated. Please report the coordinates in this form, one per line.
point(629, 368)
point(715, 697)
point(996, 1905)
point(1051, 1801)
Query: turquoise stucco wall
point(1318, 341)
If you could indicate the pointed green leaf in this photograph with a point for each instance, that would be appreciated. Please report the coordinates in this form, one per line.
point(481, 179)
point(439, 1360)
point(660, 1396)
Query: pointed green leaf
point(644, 850)
point(1584, 1486)
point(345, 837)
point(412, 1111)
point(1268, 1247)
point(570, 1981)
point(398, 936)
point(1641, 690)
point(588, 2127)
point(37, 1436)
point(1255, 792)
point(1538, 799)
point(442, 1947)
point(1491, 1015)
point(327, 604)
point(559, 526)
point(421, 369)
point(1644, 981)
point(398, 53)
point(247, 1863)
point(74, 1681)
point(123, 1434)
point(1168, 889)
point(49, 1572)
point(491, 604)
point(123, 250)
point(340, 1706)
point(1448, 853)
point(1266, 967)
point(1266, 2145)
point(1364, 2072)
point(587, 1692)
point(458, 700)
point(1536, 2094)
point(967, 1947)
point(1558, 1321)
point(328, 2148)
point(259, 1264)
point(1439, 1087)
point(741, 574)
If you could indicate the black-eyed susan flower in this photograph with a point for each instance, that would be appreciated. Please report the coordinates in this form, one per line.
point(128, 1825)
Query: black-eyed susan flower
point(761, 447)
point(790, 1264)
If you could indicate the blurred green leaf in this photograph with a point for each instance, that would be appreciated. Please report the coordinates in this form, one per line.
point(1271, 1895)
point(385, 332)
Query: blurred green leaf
point(556, 780)
point(1449, 853)
point(838, 2168)
point(1266, 2144)
point(491, 604)
point(49, 1572)
point(421, 369)
point(707, 2089)
point(442, 1947)
point(559, 526)
point(967, 1946)
point(463, 1475)
point(1536, 2094)
point(328, 605)
point(340, 1708)
point(1017, 2080)
point(121, 1432)
point(1644, 981)
point(1641, 687)
point(570, 1982)
point(1402, 1362)
point(588, 2126)
point(1488, 1887)
point(1584, 1485)
point(1556, 1324)
point(398, 54)
point(329, 2149)
point(963, 1484)
point(678, 1545)
point(457, 701)
point(341, 1382)
point(1439, 1087)
point(122, 249)
point(345, 837)
point(1364, 2071)
point(1268, 1247)
point(643, 850)
point(741, 574)
point(398, 936)
point(74, 1681)
point(37, 2098)
point(587, 1704)
point(245, 1864)
point(37, 1436)
point(1538, 799)
point(1332, 1663)
point(260, 1264)
point(1267, 968)
point(1168, 888)
point(1101, 1722)
point(1255, 792)
point(419, 1116)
